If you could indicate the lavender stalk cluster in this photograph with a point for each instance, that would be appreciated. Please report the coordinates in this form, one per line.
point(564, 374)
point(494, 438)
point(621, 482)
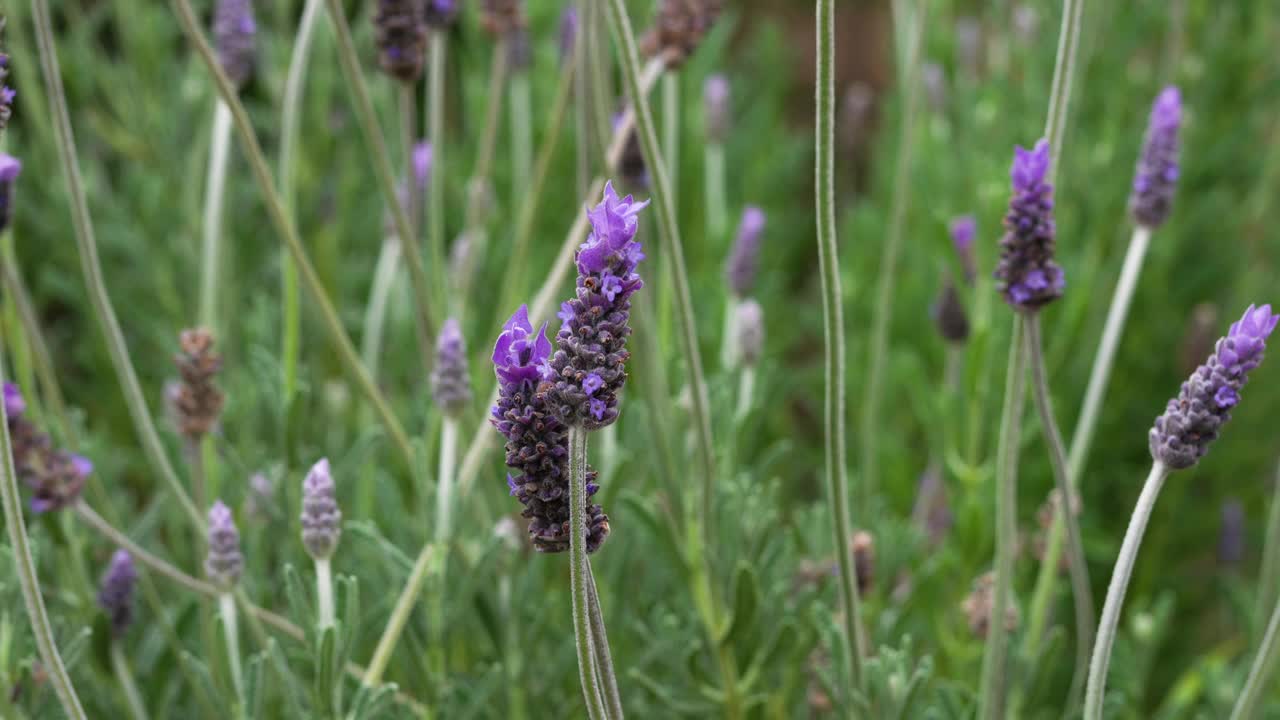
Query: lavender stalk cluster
point(1193, 419)
point(224, 563)
point(744, 259)
point(55, 476)
point(537, 440)
point(234, 30)
point(115, 596)
point(1027, 275)
point(400, 32)
point(321, 518)
point(589, 367)
point(450, 381)
point(10, 168)
point(1156, 178)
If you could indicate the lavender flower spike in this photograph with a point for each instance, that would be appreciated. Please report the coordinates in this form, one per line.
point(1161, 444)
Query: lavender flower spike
point(716, 107)
point(116, 594)
point(569, 26)
point(1156, 178)
point(1192, 420)
point(233, 35)
point(590, 364)
point(421, 161)
point(537, 441)
point(10, 167)
point(450, 381)
point(224, 563)
point(744, 258)
point(963, 230)
point(1027, 274)
point(55, 476)
point(400, 33)
point(321, 517)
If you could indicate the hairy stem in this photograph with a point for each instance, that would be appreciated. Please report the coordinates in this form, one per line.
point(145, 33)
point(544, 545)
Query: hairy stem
point(1269, 577)
point(399, 616)
point(230, 629)
point(124, 676)
point(1115, 591)
point(1064, 71)
point(215, 186)
point(671, 134)
point(324, 593)
point(1264, 667)
point(435, 133)
point(579, 572)
point(16, 291)
point(600, 644)
point(375, 313)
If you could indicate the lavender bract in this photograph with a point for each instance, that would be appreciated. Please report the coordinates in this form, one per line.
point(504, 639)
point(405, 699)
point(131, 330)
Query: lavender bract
point(224, 563)
point(1155, 180)
point(590, 365)
point(233, 36)
point(55, 476)
point(1193, 419)
point(400, 33)
point(10, 168)
point(450, 381)
point(744, 258)
point(716, 107)
point(321, 517)
point(537, 441)
point(1027, 275)
point(115, 596)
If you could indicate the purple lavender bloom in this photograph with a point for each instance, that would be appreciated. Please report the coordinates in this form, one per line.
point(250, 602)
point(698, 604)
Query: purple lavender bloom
point(1193, 419)
point(537, 441)
point(568, 32)
point(750, 326)
point(744, 258)
point(1027, 274)
point(55, 476)
point(421, 162)
point(233, 36)
point(1156, 178)
point(400, 33)
point(321, 517)
point(963, 230)
point(10, 167)
point(14, 403)
point(594, 339)
point(716, 107)
point(441, 14)
point(450, 381)
point(224, 563)
point(116, 594)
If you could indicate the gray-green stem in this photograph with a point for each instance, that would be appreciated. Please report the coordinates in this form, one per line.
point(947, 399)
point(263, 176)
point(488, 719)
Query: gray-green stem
point(1115, 591)
point(16, 291)
point(717, 214)
point(231, 631)
point(399, 616)
point(520, 117)
point(835, 460)
point(600, 644)
point(1064, 71)
point(1269, 577)
point(435, 133)
point(995, 660)
point(671, 134)
point(216, 183)
point(1082, 598)
point(579, 575)
point(1264, 667)
point(124, 676)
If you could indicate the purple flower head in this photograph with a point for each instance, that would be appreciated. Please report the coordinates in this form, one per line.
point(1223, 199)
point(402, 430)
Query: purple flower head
point(716, 107)
point(115, 596)
point(10, 167)
point(744, 258)
point(450, 381)
point(421, 162)
point(440, 14)
point(1027, 274)
point(14, 403)
point(400, 32)
point(233, 36)
point(55, 476)
point(1156, 178)
point(963, 231)
point(568, 32)
point(519, 355)
point(611, 243)
point(1193, 419)
point(321, 517)
point(224, 563)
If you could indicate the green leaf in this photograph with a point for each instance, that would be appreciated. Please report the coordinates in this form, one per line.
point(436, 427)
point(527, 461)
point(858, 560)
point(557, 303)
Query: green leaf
point(255, 689)
point(746, 602)
point(280, 666)
point(202, 685)
point(326, 669)
point(299, 599)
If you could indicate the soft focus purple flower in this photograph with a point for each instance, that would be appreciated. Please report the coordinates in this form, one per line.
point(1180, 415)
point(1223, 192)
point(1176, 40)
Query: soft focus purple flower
point(969, 44)
point(400, 33)
point(421, 162)
point(1027, 274)
point(744, 258)
point(716, 107)
point(259, 501)
point(55, 476)
point(10, 167)
point(949, 314)
point(1193, 419)
point(233, 36)
point(568, 32)
point(440, 14)
point(450, 381)
point(7, 94)
point(749, 323)
point(1156, 178)
point(963, 231)
point(1232, 534)
point(934, 79)
point(519, 50)
point(115, 596)
point(224, 563)
point(594, 339)
point(14, 403)
point(321, 517)
point(857, 116)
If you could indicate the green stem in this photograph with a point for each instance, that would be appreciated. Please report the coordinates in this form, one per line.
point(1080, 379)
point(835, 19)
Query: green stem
point(1269, 584)
point(600, 644)
point(231, 631)
point(443, 533)
point(1115, 591)
point(1264, 667)
point(599, 63)
point(1064, 71)
point(399, 616)
point(995, 660)
point(717, 213)
point(520, 117)
point(833, 342)
point(871, 421)
point(16, 291)
point(580, 573)
point(124, 676)
point(375, 314)
point(195, 468)
point(92, 268)
point(288, 233)
point(324, 593)
point(1080, 587)
point(408, 130)
point(435, 133)
point(671, 134)
point(216, 184)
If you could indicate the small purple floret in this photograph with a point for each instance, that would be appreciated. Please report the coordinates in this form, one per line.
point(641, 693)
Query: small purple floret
point(744, 258)
point(450, 381)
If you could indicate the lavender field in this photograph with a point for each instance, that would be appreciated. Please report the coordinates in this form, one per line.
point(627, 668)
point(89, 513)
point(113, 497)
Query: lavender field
point(744, 359)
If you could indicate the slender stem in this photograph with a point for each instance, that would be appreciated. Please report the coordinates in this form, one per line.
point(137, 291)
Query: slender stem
point(443, 532)
point(439, 149)
point(994, 665)
point(585, 142)
point(1082, 439)
point(1269, 583)
point(1064, 71)
point(669, 231)
point(195, 468)
point(478, 199)
point(1115, 591)
point(11, 499)
point(671, 134)
point(444, 483)
point(579, 574)
point(324, 593)
point(729, 338)
point(88, 250)
point(230, 629)
point(288, 233)
point(399, 616)
point(16, 291)
point(600, 640)
point(215, 186)
point(717, 214)
point(124, 676)
point(520, 117)
point(1264, 667)
point(910, 84)
point(1079, 571)
point(600, 65)
point(408, 131)
point(375, 314)
point(746, 389)
point(425, 304)
point(833, 341)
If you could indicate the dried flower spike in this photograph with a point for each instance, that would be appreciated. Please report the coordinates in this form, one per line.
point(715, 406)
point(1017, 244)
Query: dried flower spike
point(949, 314)
point(1027, 274)
point(233, 35)
point(450, 381)
point(716, 107)
point(678, 28)
point(501, 17)
point(10, 167)
point(1193, 419)
point(321, 517)
point(635, 174)
point(224, 563)
point(55, 476)
point(590, 365)
point(863, 549)
point(196, 402)
point(400, 32)
point(1156, 178)
point(115, 596)
point(744, 258)
point(750, 327)
point(980, 604)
